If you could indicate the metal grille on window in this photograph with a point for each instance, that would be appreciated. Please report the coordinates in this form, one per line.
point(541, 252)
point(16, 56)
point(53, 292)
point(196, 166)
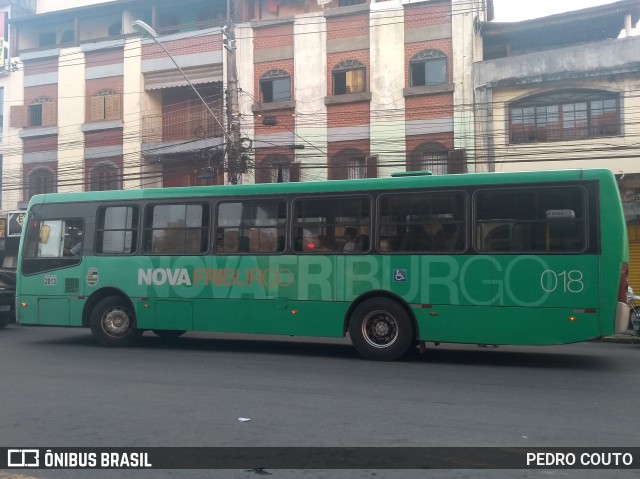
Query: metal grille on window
point(356, 168)
point(280, 173)
point(41, 182)
point(435, 162)
point(104, 177)
point(565, 116)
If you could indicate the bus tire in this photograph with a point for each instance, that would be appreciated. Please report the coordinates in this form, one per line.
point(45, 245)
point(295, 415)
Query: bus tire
point(5, 318)
point(381, 330)
point(168, 334)
point(113, 323)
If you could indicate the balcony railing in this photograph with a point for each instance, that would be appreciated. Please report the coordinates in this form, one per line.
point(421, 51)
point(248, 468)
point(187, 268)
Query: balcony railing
point(180, 127)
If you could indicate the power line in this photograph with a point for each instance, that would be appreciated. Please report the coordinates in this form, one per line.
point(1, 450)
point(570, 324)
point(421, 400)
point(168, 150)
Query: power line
point(77, 143)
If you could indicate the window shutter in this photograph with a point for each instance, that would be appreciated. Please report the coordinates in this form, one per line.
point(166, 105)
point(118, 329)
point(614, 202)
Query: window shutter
point(18, 117)
point(294, 174)
point(457, 162)
point(49, 113)
point(339, 170)
point(112, 107)
point(262, 172)
point(372, 166)
point(97, 108)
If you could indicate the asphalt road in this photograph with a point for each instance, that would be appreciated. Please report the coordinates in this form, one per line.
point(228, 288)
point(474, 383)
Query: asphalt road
point(58, 388)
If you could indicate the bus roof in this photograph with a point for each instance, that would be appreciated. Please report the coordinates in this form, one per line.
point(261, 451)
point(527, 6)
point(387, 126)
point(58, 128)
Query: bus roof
point(332, 186)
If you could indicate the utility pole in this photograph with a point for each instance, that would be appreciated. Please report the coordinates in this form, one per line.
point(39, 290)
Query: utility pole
point(234, 168)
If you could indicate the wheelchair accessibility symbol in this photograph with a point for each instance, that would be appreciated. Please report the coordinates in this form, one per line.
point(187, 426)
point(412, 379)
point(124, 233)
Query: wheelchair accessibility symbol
point(399, 275)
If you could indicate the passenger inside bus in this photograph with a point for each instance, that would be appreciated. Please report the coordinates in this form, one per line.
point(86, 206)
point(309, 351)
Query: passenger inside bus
point(430, 237)
point(349, 236)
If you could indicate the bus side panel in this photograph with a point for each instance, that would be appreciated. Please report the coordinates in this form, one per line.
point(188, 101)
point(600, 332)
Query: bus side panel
point(507, 325)
point(60, 301)
point(271, 316)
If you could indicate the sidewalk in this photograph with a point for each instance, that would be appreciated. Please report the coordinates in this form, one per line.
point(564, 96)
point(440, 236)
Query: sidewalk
point(629, 337)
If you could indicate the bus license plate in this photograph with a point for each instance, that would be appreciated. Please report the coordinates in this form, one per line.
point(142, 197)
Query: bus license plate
point(5, 307)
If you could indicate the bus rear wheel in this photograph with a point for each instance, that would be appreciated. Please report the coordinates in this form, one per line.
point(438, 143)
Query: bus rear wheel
point(113, 323)
point(381, 330)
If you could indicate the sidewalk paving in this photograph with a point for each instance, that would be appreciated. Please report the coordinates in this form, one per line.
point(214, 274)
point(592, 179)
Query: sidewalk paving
point(629, 337)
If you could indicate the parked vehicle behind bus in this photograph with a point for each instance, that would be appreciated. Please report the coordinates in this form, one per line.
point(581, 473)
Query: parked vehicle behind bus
point(7, 297)
point(511, 258)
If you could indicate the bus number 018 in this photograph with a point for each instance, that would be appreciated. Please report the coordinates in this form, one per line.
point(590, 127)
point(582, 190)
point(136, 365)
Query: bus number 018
point(565, 281)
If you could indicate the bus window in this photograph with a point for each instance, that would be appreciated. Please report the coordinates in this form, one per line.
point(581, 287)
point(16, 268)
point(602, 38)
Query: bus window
point(338, 225)
point(117, 230)
point(251, 227)
point(176, 229)
point(54, 239)
point(531, 220)
point(430, 223)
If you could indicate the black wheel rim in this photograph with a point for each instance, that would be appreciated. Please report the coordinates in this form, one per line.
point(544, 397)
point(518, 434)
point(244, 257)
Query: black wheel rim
point(380, 329)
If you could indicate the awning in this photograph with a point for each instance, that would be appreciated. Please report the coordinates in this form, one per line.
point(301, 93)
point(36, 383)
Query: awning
point(173, 78)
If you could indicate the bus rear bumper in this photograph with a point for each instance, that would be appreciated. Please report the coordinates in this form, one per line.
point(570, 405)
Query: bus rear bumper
point(622, 317)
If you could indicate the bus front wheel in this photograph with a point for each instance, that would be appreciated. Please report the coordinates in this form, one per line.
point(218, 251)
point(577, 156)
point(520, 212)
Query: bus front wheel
point(381, 329)
point(113, 323)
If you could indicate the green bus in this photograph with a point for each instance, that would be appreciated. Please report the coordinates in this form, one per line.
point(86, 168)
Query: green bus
point(531, 258)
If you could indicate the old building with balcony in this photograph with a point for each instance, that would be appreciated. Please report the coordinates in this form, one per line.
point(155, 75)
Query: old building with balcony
point(366, 88)
point(95, 106)
point(561, 92)
point(327, 90)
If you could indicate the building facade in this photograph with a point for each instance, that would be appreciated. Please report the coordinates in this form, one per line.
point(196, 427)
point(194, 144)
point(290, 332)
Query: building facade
point(326, 90)
point(561, 92)
point(365, 88)
point(10, 222)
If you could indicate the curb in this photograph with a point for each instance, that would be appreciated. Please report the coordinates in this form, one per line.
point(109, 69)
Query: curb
point(627, 338)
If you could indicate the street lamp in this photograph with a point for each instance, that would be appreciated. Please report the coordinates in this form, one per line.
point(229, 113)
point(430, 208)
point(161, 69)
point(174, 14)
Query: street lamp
point(144, 29)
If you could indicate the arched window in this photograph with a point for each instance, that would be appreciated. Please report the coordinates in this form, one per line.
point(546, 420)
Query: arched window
point(349, 77)
point(42, 112)
point(349, 164)
point(429, 67)
point(279, 170)
point(275, 85)
point(564, 116)
point(40, 181)
point(432, 157)
point(104, 176)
